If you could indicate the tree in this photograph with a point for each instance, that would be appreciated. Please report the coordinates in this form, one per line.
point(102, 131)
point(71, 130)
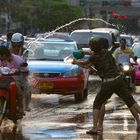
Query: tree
point(44, 15)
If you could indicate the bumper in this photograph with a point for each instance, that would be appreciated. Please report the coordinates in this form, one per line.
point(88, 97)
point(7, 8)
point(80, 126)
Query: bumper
point(62, 86)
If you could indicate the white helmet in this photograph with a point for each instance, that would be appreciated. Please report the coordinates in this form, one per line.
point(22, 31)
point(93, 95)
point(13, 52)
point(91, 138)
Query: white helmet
point(17, 39)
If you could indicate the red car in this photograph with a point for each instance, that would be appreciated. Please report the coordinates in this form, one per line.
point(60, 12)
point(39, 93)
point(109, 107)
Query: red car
point(50, 74)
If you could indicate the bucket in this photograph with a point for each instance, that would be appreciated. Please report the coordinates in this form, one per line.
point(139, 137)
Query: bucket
point(78, 54)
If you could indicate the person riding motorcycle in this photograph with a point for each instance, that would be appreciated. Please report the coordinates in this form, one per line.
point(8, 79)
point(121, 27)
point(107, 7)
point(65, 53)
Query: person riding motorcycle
point(17, 48)
point(17, 42)
point(12, 61)
point(122, 56)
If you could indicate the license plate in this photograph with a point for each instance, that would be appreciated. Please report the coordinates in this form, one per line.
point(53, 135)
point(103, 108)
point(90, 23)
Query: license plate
point(48, 85)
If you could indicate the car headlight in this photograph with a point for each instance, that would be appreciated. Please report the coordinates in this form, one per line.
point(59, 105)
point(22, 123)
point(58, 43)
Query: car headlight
point(72, 73)
point(126, 67)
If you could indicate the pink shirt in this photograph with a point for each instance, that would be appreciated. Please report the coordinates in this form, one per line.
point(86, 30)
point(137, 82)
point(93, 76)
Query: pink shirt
point(15, 63)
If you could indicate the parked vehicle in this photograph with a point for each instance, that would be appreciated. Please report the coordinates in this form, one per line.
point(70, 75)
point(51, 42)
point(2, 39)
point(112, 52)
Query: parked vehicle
point(50, 74)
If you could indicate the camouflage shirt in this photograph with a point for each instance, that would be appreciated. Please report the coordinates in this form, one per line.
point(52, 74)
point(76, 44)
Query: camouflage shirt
point(105, 64)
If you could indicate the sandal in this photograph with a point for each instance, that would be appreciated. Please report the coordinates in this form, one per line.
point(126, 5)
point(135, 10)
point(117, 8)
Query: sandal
point(93, 131)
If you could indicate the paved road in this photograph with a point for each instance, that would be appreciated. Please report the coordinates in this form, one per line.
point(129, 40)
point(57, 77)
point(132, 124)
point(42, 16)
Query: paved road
point(60, 118)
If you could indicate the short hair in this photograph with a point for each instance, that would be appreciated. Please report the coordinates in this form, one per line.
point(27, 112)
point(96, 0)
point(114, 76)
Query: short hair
point(123, 39)
point(9, 35)
point(105, 43)
point(97, 44)
point(4, 51)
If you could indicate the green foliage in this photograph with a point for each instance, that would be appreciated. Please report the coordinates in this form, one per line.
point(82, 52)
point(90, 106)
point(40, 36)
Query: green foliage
point(44, 14)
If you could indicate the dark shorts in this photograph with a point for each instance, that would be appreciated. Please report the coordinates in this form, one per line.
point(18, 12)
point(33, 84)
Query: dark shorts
point(117, 86)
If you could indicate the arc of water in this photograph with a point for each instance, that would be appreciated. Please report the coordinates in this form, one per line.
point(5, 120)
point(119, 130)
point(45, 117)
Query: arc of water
point(74, 21)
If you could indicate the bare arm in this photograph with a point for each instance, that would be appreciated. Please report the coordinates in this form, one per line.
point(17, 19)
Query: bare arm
point(82, 63)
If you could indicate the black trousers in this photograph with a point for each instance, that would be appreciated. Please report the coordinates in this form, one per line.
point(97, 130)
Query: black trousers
point(117, 86)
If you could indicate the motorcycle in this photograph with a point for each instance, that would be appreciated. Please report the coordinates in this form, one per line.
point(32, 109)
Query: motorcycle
point(8, 94)
point(127, 71)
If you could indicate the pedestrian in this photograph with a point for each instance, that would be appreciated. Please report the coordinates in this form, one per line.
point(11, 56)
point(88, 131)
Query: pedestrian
point(103, 108)
point(113, 81)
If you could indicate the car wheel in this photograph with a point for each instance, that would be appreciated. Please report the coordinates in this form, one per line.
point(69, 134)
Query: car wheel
point(79, 97)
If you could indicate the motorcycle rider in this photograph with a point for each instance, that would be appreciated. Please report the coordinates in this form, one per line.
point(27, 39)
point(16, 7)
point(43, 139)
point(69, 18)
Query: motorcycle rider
point(123, 55)
point(12, 61)
point(17, 48)
point(17, 42)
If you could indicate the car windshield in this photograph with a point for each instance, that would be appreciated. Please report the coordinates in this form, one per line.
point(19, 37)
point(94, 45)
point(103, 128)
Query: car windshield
point(50, 51)
point(84, 37)
point(129, 41)
point(136, 50)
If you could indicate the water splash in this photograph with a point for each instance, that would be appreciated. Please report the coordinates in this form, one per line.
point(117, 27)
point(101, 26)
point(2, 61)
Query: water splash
point(72, 22)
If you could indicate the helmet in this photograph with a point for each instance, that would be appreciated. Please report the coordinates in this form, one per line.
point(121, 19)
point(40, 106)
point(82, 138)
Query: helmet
point(17, 39)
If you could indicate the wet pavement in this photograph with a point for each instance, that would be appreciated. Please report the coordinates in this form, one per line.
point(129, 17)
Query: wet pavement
point(56, 117)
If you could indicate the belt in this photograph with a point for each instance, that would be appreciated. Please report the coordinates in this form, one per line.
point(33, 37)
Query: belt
point(110, 79)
